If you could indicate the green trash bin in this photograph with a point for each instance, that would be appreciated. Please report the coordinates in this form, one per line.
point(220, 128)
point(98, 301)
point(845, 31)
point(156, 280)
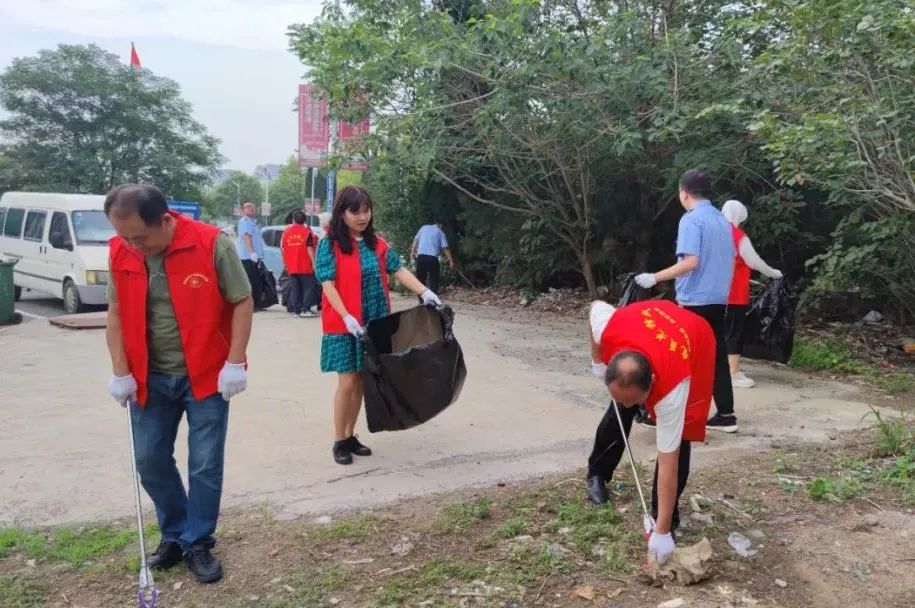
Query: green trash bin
point(8, 314)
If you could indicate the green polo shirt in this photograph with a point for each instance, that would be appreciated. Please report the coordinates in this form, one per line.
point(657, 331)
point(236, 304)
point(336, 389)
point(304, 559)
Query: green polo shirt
point(163, 339)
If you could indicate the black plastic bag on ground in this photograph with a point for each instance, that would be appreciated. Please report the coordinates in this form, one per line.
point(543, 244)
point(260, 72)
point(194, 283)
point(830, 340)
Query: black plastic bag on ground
point(412, 368)
point(266, 296)
point(768, 332)
point(632, 292)
point(284, 289)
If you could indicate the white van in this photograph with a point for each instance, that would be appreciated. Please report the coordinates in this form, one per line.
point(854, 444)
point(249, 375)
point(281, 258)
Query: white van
point(61, 242)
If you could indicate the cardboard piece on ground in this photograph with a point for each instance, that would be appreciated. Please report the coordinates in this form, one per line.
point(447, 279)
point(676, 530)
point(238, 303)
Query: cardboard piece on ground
point(86, 320)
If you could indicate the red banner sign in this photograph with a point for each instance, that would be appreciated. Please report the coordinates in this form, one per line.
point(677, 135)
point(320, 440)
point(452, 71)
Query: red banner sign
point(314, 127)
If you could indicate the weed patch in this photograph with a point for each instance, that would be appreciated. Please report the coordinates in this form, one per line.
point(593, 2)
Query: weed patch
point(74, 546)
point(354, 529)
point(459, 518)
point(22, 591)
point(896, 384)
point(835, 489)
point(304, 590)
point(901, 474)
point(429, 579)
point(515, 526)
point(894, 435)
point(830, 354)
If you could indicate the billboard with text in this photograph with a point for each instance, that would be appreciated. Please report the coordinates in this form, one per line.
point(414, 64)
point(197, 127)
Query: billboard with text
point(314, 127)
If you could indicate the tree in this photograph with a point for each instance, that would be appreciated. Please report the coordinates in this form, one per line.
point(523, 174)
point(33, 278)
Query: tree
point(239, 187)
point(293, 186)
point(840, 116)
point(571, 120)
point(81, 121)
point(562, 112)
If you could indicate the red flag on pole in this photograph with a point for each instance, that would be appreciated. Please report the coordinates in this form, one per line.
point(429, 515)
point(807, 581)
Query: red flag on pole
point(134, 58)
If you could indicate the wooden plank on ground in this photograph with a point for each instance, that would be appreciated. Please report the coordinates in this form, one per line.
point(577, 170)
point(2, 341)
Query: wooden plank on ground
point(86, 320)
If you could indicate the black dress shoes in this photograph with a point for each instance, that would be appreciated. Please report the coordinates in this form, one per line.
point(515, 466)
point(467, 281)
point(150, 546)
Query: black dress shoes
point(597, 490)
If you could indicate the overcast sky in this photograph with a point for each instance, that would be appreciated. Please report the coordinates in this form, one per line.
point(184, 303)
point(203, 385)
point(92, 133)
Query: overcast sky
point(229, 56)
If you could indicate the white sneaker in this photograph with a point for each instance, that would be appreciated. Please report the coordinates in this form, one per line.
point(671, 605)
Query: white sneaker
point(307, 314)
point(740, 380)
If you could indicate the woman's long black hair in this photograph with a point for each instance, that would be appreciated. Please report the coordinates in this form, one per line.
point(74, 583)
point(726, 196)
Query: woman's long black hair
point(350, 198)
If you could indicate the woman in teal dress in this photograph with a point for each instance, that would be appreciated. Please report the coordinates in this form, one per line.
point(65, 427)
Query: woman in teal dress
point(349, 264)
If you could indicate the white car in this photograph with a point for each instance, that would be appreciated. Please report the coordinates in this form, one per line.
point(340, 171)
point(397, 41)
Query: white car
point(61, 244)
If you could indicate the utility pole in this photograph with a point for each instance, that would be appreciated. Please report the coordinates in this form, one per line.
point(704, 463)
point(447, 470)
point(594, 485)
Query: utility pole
point(332, 145)
point(265, 208)
point(331, 172)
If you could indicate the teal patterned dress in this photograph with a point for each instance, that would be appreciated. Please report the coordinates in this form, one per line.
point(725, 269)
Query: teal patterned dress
point(342, 352)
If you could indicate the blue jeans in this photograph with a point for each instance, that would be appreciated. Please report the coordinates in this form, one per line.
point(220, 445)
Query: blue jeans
point(188, 518)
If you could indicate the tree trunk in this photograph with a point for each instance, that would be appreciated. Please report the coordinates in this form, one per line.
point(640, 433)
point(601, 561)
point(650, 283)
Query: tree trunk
point(642, 254)
point(587, 271)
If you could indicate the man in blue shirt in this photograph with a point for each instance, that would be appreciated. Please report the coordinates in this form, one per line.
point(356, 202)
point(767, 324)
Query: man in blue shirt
point(705, 250)
point(428, 245)
point(250, 247)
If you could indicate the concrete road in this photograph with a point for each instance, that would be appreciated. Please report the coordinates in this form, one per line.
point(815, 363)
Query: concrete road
point(529, 407)
point(38, 306)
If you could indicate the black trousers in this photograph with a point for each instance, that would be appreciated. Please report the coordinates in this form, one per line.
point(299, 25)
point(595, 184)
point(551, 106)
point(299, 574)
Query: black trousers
point(722, 391)
point(254, 278)
point(303, 292)
point(609, 449)
point(428, 271)
point(735, 319)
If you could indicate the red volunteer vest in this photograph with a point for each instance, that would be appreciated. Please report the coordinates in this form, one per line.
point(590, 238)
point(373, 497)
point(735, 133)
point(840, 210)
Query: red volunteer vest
point(679, 344)
point(204, 316)
point(740, 284)
point(348, 282)
point(294, 245)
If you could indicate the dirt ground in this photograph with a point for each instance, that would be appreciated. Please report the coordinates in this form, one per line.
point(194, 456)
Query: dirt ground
point(515, 442)
point(529, 407)
point(537, 544)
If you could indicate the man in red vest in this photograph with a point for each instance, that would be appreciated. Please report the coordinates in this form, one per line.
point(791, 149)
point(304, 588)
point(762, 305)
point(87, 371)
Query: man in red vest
point(298, 248)
point(179, 319)
point(658, 354)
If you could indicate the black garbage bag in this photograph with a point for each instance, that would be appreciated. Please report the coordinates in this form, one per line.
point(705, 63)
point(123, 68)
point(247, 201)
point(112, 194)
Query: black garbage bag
point(632, 292)
point(266, 296)
point(768, 331)
point(412, 368)
point(284, 287)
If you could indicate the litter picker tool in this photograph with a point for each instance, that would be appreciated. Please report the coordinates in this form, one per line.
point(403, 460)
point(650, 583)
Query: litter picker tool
point(647, 521)
point(147, 594)
point(461, 274)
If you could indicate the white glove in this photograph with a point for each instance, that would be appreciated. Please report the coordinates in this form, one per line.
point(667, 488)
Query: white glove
point(660, 546)
point(646, 280)
point(353, 326)
point(599, 370)
point(430, 299)
point(775, 274)
point(233, 379)
point(254, 258)
point(123, 388)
